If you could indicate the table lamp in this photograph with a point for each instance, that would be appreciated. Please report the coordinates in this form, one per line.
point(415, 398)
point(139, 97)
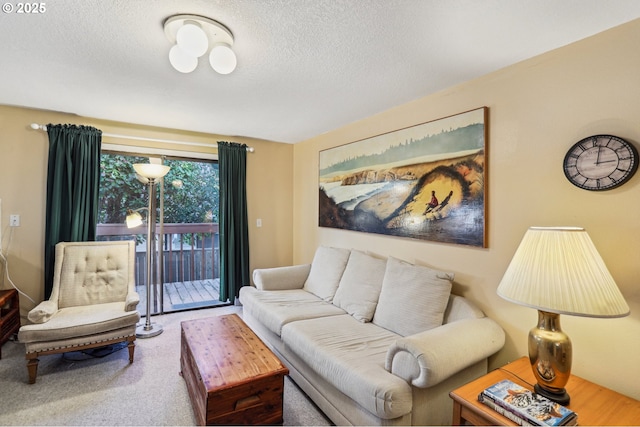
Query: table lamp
point(557, 270)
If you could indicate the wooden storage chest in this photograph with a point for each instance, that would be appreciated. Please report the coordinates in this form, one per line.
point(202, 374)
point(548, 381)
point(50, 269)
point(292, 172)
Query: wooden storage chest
point(231, 376)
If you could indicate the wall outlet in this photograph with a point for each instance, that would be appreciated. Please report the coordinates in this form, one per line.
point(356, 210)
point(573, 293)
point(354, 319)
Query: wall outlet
point(14, 220)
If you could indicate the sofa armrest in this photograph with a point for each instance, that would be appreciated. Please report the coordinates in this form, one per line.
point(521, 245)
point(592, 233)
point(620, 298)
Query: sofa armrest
point(42, 312)
point(131, 302)
point(432, 356)
point(281, 278)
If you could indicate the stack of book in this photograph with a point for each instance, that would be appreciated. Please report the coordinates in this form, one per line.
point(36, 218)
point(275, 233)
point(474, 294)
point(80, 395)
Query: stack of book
point(526, 408)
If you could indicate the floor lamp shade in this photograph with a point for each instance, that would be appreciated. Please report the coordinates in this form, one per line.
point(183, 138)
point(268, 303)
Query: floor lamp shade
point(151, 170)
point(557, 270)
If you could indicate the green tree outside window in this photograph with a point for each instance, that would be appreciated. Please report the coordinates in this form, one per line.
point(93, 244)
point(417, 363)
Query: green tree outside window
point(191, 190)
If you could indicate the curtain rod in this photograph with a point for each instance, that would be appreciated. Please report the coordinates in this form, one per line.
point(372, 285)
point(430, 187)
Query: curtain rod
point(36, 126)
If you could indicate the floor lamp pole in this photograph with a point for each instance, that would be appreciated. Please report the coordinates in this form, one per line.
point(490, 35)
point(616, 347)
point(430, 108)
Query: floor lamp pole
point(149, 329)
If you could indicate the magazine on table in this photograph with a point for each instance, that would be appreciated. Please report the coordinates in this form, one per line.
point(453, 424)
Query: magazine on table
point(524, 407)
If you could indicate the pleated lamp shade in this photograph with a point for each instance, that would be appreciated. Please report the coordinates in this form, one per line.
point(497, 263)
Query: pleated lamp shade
point(559, 270)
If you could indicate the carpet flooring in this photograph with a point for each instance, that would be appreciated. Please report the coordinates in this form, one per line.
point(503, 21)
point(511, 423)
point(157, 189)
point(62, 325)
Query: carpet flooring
point(102, 388)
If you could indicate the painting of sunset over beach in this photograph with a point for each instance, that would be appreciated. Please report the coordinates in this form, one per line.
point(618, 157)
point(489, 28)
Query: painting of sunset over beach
point(423, 182)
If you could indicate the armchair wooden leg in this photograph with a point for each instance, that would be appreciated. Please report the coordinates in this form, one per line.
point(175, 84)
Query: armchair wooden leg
point(32, 367)
point(132, 347)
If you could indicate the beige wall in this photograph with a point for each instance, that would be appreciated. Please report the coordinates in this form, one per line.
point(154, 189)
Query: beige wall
point(537, 110)
point(23, 169)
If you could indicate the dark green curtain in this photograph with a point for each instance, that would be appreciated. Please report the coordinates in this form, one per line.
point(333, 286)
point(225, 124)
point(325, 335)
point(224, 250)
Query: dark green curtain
point(73, 184)
point(234, 227)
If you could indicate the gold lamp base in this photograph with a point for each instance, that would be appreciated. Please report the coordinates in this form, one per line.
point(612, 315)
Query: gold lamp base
point(550, 354)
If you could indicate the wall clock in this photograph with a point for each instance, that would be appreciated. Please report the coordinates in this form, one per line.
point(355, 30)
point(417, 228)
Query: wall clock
point(600, 162)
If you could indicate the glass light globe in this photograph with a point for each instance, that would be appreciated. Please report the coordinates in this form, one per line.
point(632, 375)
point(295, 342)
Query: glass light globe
point(222, 58)
point(192, 39)
point(182, 61)
point(133, 219)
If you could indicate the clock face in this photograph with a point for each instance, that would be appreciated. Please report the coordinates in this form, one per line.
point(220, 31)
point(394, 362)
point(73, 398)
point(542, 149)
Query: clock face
point(600, 162)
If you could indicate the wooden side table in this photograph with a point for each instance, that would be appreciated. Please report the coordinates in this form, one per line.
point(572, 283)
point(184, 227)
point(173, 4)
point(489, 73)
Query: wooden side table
point(594, 404)
point(9, 315)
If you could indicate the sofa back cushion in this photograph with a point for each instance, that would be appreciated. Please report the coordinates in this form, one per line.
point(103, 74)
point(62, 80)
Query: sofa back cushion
point(326, 270)
point(413, 298)
point(360, 285)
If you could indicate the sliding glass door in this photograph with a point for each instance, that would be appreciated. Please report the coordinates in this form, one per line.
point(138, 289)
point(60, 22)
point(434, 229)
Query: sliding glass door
point(191, 250)
point(186, 249)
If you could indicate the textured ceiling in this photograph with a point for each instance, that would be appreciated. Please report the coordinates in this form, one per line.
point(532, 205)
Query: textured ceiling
point(305, 67)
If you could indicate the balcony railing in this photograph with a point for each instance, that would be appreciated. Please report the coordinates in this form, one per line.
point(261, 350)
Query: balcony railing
point(190, 251)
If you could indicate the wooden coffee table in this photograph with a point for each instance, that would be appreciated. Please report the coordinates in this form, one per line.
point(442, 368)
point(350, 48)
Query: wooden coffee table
point(232, 377)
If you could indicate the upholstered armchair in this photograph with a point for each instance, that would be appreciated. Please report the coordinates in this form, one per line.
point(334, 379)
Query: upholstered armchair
point(93, 302)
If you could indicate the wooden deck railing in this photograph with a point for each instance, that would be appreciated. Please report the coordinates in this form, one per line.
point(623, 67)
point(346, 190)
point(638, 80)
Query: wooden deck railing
point(190, 251)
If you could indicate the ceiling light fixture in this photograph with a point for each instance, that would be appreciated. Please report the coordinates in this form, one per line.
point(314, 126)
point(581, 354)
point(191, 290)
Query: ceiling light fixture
point(194, 36)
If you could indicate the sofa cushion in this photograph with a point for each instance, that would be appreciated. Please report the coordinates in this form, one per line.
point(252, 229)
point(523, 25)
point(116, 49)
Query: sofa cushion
point(351, 355)
point(360, 285)
point(326, 270)
point(274, 309)
point(413, 298)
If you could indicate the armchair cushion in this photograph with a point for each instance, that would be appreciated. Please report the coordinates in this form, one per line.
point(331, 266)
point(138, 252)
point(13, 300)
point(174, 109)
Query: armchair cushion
point(80, 321)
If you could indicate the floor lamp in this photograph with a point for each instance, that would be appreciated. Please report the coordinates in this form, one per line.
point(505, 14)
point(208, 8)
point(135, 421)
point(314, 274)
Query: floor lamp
point(152, 173)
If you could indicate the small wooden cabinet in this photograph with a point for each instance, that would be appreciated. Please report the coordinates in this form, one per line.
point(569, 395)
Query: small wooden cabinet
point(9, 315)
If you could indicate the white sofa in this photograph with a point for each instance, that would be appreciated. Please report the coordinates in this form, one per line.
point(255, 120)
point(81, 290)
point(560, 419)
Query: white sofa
point(372, 341)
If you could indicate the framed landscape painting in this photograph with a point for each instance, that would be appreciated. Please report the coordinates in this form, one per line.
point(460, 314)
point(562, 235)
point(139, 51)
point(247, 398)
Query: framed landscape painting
point(423, 182)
